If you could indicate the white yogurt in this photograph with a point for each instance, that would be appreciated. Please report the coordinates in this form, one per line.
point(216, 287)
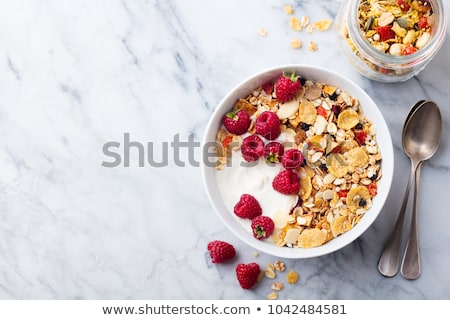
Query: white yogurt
point(255, 179)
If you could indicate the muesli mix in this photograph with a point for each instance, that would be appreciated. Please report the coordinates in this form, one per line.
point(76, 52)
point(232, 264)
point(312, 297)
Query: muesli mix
point(325, 148)
point(396, 27)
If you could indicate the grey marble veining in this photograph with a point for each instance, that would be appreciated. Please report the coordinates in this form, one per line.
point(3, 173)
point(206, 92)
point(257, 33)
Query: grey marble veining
point(75, 75)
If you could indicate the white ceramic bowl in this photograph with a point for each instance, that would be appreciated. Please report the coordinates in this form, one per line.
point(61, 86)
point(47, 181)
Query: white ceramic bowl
point(383, 139)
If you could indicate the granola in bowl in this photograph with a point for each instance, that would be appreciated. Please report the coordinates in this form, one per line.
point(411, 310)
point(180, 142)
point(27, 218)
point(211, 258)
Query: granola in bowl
point(324, 171)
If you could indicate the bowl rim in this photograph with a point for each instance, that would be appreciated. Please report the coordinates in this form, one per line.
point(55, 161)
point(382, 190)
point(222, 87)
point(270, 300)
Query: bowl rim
point(246, 86)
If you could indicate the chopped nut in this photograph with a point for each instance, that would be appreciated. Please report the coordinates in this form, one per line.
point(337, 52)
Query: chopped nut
point(279, 266)
point(277, 286)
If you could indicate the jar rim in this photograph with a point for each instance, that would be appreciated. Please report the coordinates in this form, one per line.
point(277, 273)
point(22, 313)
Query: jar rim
point(417, 57)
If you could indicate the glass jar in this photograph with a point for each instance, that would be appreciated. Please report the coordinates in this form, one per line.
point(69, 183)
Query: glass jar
point(379, 65)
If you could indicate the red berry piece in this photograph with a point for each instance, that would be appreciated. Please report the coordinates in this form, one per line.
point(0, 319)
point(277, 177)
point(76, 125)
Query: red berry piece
point(247, 207)
point(237, 122)
point(220, 251)
point(247, 274)
point(268, 87)
point(385, 33)
point(262, 227)
point(273, 152)
point(286, 182)
point(292, 159)
point(403, 4)
point(286, 86)
point(268, 125)
point(360, 137)
point(252, 148)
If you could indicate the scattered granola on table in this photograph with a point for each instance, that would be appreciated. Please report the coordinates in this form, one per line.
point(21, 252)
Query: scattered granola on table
point(396, 27)
point(338, 176)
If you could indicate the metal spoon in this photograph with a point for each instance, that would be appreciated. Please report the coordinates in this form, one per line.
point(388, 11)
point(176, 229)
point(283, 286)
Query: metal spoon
point(390, 258)
point(422, 141)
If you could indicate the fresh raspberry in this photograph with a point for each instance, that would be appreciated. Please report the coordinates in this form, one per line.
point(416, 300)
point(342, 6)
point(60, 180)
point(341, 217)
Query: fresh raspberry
point(286, 86)
point(262, 227)
point(220, 251)
point(237, 122)
point(252, 148)
point(268, 125)
point(292, 159)
point(247, 207)
point(273, 152)
point(247, 274)
point(286, 182)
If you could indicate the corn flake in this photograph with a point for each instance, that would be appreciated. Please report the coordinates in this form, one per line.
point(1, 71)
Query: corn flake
point(347, 119)
point(322, 25)
point(357, 198)
point(307, 112)
point(311, 238)
point(336, 165)
point(357, 157)
point(340, 225)
point(295, 24)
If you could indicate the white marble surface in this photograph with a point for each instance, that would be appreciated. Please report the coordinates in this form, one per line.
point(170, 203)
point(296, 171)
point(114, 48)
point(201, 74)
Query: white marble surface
point(77, 74)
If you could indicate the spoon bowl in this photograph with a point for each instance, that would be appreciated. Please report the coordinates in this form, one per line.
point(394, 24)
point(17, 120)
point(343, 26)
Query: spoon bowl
point(422, 132)
point(420, 139)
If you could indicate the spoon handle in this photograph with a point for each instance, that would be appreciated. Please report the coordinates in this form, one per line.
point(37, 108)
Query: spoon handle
point(410, 268)
point(390, 258)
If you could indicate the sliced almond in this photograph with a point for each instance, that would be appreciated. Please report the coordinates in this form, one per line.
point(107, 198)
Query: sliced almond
point(287, 109)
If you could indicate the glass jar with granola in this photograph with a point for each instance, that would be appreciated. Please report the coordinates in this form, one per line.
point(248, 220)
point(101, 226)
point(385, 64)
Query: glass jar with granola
point(391, 40)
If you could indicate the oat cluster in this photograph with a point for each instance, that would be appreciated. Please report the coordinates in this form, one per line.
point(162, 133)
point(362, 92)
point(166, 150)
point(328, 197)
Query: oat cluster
point(300, 24)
